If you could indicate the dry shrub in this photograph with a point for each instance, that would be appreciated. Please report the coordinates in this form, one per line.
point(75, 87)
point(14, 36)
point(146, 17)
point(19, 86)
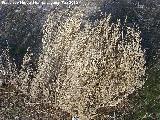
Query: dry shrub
point(83, 66)
point(88, 65)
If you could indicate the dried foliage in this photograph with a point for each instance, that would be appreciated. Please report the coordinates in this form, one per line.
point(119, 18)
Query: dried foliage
point(91, 64)
point(83, 67)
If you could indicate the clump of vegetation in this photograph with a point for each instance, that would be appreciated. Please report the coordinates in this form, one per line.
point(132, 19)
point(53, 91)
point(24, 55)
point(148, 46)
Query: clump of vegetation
point(84, 66)
point(92, 64)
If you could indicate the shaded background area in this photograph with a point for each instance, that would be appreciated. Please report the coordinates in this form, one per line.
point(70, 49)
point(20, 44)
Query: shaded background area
point(21, 27)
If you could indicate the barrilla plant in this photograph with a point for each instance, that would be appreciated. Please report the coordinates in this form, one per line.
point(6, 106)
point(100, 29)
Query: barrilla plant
point(90, 65)
point(84, 66)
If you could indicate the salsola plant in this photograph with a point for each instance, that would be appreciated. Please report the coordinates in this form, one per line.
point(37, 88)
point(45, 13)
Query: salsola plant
point(89, 65)
point(83, 66)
